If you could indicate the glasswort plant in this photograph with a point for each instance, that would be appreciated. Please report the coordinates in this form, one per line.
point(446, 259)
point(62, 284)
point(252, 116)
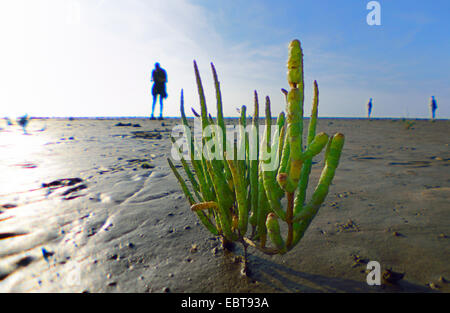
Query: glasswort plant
point(234, 184)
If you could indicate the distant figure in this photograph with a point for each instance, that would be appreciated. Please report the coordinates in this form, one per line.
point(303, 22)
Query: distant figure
point(433, 107)
point(159, 77)
point(369, 108)
point(23, 121)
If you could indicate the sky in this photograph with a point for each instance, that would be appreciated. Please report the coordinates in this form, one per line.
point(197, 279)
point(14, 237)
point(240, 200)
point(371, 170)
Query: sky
point(87, 58)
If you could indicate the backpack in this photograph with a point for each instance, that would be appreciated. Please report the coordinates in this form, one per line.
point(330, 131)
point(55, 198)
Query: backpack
point(159, 76)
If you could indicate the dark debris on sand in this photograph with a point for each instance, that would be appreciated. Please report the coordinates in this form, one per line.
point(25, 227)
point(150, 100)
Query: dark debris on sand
point(147, 135)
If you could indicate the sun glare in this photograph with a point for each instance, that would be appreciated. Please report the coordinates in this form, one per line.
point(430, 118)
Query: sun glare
point(19, 152)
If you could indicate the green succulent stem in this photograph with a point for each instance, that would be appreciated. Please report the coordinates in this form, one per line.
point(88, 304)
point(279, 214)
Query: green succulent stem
point(307, 165)
point(241, 196)
point(271, 187)
point(273, 229)
point(304, 217)
point(195, 160)
point(201, 215)
point(254, 164)
point(263, 210)
point(190, 175)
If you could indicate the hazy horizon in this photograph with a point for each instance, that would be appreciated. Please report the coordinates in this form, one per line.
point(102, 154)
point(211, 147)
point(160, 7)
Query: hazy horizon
point(249, 116)
point(93, 58)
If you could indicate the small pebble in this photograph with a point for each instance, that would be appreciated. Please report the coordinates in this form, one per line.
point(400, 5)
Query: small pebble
point(166, 289)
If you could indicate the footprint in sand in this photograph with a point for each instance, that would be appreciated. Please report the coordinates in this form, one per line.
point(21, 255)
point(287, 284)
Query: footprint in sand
point(365, 158)
point(411, 164)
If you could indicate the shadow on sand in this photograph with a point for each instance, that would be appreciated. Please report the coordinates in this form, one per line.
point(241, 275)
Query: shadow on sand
point(282, 278)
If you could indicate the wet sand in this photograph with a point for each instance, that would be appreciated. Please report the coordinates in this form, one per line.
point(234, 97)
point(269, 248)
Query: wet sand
point(88, 206)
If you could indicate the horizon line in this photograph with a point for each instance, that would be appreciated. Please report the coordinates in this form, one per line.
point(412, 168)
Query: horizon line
point(237, 117)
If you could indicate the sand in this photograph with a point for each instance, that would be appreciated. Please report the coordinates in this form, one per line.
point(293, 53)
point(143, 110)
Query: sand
point(88, 206)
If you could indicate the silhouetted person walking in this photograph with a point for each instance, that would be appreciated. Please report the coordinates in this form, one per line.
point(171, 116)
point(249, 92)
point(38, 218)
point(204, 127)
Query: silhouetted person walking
point(159, 77)
point(369, 108)
point(23, 121)
point(433, 107)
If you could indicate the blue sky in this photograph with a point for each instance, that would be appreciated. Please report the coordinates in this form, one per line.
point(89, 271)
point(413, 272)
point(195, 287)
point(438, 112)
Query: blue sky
point(94, 57)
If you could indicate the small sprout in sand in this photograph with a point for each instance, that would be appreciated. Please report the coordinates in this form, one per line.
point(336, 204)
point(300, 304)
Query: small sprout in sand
point(238, 197)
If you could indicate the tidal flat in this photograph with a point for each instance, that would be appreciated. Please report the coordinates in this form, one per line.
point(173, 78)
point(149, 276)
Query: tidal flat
point(91, 205)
